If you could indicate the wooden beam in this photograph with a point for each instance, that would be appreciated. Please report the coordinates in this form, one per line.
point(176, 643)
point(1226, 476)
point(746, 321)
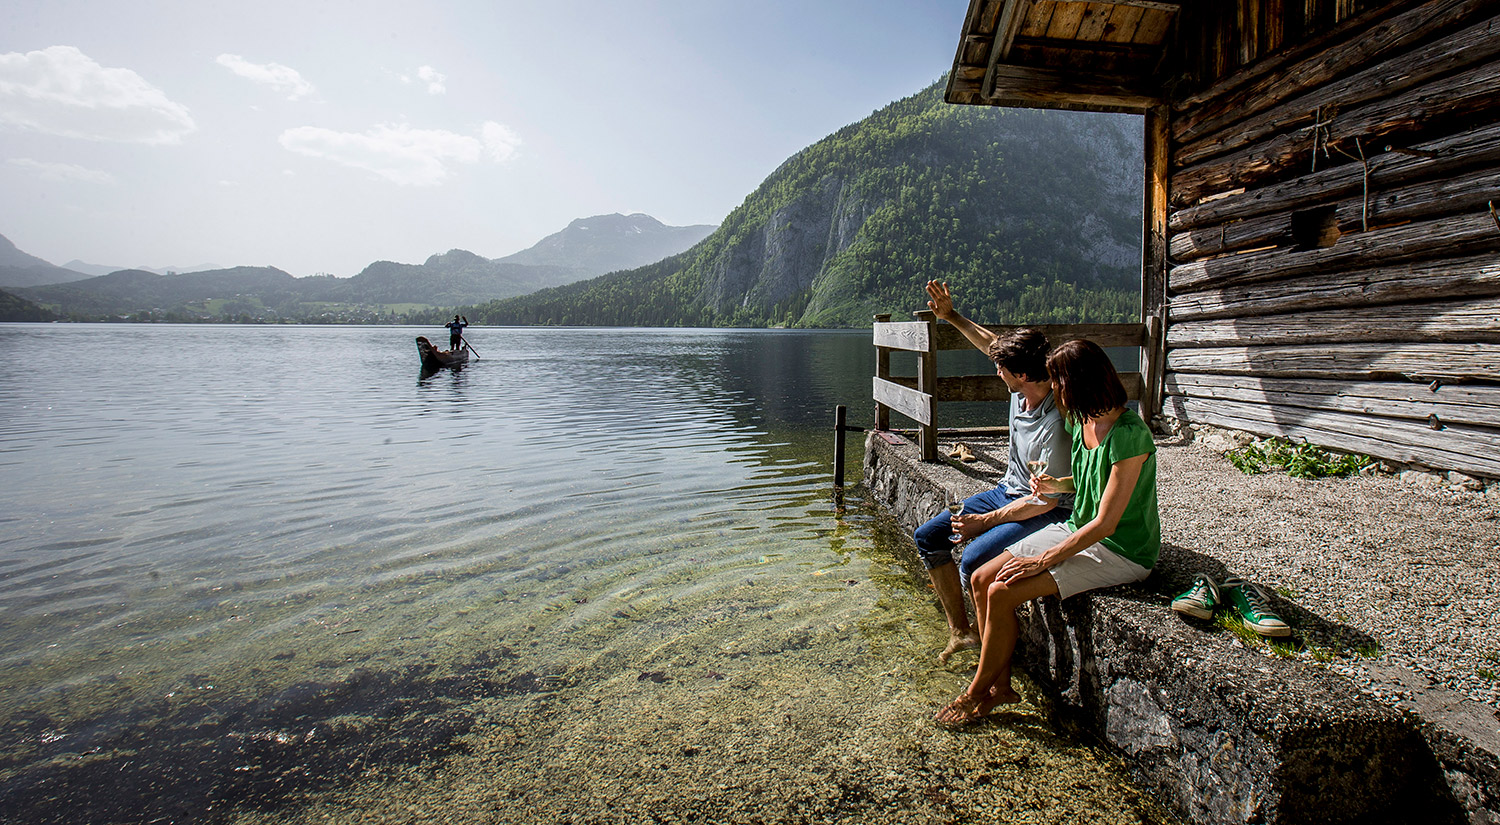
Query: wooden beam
point(1446, 237)
point(1469, 450)
point(1425, 200)
point(1466, 321)
point(1383, 284)
point(902, 335)
point(1011, 16)
point(1471, 46)
point(1444, 404)
point(1389, 166)
point(947, 337)
point(1044, 88)
point(909, 402)
point(1416, 362)
point(1380, 121)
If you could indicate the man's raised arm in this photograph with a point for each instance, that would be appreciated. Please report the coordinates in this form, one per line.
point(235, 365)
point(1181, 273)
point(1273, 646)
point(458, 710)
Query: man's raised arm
point(941, 304)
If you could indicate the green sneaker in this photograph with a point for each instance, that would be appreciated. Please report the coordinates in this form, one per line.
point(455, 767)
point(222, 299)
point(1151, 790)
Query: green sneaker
point(1254, 608)
point(1200, 600)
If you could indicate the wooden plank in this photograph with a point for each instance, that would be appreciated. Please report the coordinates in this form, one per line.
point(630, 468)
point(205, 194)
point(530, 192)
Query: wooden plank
point(902, 335)
point(1477, 276)
point(1468, 47)
point(1445, 404)
point(1091, 27)
point(1065, 21)
point(1153, 28)
point(1038, 20)
point(992, 387)
point(1451, 322)
point(1470, 450)
point(1048, 88)
point(910, 403)
point(1123, 24)
point(1424, 200)
point(1416, 362)
point(1376, 34)
point(1390, 166)
point(1383, 120)
point(947, 337)
point(1451, 236)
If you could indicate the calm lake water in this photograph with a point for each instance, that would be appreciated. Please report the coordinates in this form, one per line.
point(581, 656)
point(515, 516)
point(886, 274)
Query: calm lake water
point(274, 572)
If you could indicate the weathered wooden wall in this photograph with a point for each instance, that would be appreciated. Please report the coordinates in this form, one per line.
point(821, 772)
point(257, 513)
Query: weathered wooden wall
point(1333, 252)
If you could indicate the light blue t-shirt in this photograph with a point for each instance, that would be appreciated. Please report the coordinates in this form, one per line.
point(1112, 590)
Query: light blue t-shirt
point(1037, 434)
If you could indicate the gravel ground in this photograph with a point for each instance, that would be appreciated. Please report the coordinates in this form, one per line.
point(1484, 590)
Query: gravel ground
point(1404, 561)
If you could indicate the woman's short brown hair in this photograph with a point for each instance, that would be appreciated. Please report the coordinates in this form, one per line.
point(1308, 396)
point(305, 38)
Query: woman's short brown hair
point(1084, 380)
point(1023, 352)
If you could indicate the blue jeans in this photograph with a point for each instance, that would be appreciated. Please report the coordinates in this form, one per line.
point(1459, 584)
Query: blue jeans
point(936, 550)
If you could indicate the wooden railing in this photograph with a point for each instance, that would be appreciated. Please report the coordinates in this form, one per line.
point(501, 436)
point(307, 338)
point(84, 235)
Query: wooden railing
point(917, 397)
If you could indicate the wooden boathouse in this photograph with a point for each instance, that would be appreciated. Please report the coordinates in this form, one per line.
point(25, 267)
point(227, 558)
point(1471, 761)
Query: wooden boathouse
point(1321, 186)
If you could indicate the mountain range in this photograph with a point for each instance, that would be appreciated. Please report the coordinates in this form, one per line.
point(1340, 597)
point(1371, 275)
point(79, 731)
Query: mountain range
point(384, 290)
point(1031, 216)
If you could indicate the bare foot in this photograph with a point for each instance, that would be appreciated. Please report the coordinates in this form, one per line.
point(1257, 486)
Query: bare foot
point(960, 640)
point(963, 710)
point(1003, 695)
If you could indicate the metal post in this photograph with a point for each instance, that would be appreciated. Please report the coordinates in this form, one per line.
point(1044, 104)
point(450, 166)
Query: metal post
point(839, 413)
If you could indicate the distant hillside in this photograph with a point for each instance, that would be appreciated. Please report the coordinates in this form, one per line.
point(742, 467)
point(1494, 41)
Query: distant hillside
point(383, 291)
point(13, 308)
point(605, 243)
point(1031, 216)
point(100, 269)
point(20, 269)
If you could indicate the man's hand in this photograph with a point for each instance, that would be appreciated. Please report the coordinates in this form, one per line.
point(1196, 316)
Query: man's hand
point(970, 525)
point(941, 302)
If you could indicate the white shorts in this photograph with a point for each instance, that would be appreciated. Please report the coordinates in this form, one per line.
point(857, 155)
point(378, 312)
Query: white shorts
point(1091, 568)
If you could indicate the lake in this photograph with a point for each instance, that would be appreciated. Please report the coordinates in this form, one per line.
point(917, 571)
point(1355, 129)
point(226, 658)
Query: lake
point(275, 574)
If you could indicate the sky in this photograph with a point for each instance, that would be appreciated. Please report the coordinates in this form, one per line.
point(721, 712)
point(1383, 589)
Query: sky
point(318, 136)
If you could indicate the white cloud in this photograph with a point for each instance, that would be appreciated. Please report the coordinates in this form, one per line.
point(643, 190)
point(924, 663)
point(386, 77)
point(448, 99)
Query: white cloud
point(401, 154)
point(47, 170)
point(278, 77)
point(500, 143)
point(434, 80)
point(61, 91)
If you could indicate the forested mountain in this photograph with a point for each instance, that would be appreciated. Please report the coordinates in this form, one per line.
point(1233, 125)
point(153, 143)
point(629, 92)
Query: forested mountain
point(13, 308)
point(383, 291)
point(20, 269)
point(1031, 216)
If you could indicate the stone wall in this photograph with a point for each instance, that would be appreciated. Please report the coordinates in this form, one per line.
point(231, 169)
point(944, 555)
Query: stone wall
point(1220, 732)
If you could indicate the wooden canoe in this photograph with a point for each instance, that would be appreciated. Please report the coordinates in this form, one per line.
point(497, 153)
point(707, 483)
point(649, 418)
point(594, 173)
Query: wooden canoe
point(434, 358)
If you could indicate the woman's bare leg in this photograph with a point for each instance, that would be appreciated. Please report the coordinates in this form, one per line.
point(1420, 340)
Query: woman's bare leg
point(991, 684)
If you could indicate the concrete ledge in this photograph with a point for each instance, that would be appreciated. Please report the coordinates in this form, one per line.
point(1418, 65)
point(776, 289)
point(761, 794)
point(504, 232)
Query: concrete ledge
point(1220, 732)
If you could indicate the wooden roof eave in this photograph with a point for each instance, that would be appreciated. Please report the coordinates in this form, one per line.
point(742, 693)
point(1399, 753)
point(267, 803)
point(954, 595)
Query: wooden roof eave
point(1003, 83)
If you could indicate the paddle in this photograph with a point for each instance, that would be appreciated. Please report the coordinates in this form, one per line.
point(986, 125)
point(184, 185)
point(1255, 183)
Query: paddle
point(469, 348)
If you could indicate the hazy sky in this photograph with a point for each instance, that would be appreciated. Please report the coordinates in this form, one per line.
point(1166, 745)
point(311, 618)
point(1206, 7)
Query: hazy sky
point(321, 135)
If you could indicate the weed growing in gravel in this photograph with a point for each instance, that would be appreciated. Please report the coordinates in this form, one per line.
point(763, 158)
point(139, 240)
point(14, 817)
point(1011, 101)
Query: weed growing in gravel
point(1299, 460)
point(1486, 673)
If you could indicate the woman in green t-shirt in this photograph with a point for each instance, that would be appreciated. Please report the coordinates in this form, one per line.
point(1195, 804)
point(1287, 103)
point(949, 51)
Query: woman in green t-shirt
point(1112, 538)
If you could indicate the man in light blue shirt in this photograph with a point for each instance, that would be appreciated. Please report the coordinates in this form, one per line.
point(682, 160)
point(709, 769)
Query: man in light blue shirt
point(993, 520)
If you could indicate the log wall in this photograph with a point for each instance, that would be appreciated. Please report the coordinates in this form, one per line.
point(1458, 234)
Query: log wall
point(1333, 235)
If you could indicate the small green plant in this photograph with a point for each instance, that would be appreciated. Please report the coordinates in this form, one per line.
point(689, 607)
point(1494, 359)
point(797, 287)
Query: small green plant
point(1486, 673)
point(1286, 592)
point(1298, 460)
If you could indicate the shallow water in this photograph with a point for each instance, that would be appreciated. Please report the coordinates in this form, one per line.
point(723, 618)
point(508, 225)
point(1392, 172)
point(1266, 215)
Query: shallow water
point(274, 572)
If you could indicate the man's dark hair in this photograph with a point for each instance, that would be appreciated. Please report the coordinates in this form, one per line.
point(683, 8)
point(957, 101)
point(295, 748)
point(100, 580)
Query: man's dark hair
point(1023, 352)
point(1084, 380)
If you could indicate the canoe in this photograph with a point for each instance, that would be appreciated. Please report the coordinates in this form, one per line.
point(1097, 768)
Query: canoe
point(434, 358)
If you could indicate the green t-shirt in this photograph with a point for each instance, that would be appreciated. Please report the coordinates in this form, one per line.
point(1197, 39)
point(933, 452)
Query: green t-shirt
point(1138, 535)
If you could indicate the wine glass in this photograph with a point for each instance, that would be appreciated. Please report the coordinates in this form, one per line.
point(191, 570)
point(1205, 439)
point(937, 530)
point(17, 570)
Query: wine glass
point(955, 507)
point(1037, 465)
